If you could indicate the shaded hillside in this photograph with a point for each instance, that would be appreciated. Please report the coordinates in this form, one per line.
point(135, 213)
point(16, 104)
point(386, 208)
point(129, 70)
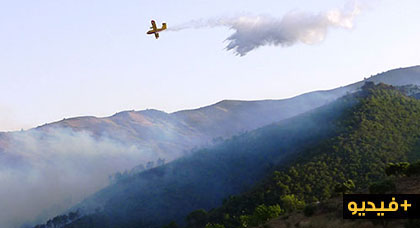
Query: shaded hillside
point(351, 138)
point(202, 180)
point(383, 127)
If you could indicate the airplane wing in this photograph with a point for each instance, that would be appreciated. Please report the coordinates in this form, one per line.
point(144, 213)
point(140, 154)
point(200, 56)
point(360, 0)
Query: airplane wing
point(154, 25)
point(157, 35)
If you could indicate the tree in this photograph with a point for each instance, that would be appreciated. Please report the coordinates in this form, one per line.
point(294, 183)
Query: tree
point(261, 215)
point(292, 203)
point(345, 187)
point(73, 215)
point(245, 220)
point(397, 169)
point(171, 225)
point(214, 225)
point(197, 219)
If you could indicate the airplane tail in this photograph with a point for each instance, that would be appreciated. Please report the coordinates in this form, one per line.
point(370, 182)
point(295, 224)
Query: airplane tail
point(163, 25)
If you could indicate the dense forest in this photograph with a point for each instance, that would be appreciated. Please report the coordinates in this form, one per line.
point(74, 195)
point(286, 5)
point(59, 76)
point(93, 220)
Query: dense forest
point(384, 126)
point(293, 164)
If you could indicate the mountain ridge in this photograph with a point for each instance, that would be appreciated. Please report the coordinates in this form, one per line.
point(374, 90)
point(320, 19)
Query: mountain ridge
point(173, 134)
point(100, 147)
point(387, 77)
point(252, 154)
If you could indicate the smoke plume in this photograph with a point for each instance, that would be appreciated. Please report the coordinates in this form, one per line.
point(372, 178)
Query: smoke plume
point(42, 175)
point(251, 32)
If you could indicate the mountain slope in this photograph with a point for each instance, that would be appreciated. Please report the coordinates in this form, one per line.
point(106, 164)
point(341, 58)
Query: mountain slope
point(86, 150)
point(202, 180)
point(353, 137)
point(170, 135)
point(383, 127)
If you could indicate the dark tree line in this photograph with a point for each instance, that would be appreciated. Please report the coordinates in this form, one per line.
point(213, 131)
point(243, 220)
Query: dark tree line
point(60, 220)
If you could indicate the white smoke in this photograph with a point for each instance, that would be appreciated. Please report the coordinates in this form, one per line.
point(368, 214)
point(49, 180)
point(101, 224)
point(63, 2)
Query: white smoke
point(252, 32)
point(42, 175)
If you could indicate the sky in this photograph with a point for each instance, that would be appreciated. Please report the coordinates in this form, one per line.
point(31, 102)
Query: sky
point(61, 59)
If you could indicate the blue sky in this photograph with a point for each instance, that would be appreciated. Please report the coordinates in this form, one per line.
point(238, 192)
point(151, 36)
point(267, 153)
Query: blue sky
point(61, 59)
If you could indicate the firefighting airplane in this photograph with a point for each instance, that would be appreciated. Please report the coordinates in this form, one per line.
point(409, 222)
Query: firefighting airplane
point(155, 30)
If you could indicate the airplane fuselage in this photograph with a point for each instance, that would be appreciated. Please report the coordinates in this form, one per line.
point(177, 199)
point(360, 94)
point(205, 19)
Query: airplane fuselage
point(154, 31)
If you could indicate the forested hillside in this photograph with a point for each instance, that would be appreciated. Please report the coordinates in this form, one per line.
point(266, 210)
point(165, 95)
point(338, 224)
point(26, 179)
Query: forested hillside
point(203, 179)
point(85, 151)
point(290, 164)
point(383, 127)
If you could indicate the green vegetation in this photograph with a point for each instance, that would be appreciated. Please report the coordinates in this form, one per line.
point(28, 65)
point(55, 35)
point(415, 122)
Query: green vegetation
point(214, 226)
point(397, 169)
point(383, 127)
point(328, 213)
point(171, 225)
point(156, 197)
point(339, 148)
point(197, 219)
point(261, 215)
point(345, 187)
point(292, 203)
point(403, 169)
